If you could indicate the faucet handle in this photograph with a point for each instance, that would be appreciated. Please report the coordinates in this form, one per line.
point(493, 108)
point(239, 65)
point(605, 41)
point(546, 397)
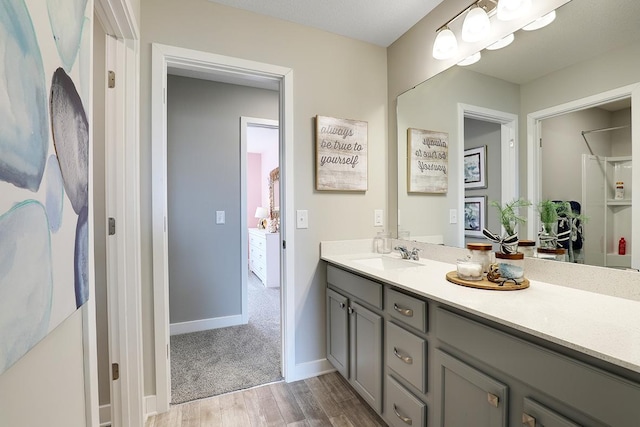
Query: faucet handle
point(414, 254)
point(404, 253)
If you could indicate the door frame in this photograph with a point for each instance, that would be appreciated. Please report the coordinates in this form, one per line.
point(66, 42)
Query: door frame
point(249, 73)
point(246, 122)
point(122, 181)
point(508, 154)
point(534, 135)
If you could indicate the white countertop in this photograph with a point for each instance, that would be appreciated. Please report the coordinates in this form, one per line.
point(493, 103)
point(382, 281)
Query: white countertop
point(602, 326)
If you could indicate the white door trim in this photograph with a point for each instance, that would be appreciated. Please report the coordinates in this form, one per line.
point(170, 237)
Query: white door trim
point(122, 182)
point(508, 153)
point(534, 163)
point(245, 122)
point(249, 73)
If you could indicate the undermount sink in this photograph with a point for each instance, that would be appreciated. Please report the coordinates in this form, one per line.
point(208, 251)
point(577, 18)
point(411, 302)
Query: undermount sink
point(387, 263)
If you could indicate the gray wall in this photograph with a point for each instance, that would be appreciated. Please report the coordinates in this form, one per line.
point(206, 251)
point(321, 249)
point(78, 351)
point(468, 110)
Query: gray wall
point(332, 75)
point(203, 168)
point(476, 134)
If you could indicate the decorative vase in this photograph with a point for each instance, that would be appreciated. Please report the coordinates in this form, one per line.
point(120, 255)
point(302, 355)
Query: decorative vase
point(548, 236)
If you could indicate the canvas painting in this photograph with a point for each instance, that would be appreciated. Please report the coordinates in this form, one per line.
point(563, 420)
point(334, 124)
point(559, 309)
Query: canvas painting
point(44, 168)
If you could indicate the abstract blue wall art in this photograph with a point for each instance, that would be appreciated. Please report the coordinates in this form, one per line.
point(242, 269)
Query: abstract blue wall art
point(24, 136)
point(45, 218)
point(55, 194)
point(70, 130)
point(67, 21)
point(25, 280)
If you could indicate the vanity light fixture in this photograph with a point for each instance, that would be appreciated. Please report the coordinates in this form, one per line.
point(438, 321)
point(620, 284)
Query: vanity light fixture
point(543, 21)
point(446, 44)
point(476, 25)
point(503, 42)
point(470, 59)
point(512, 9)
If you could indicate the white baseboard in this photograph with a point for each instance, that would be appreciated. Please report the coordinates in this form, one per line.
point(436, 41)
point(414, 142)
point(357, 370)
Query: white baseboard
point(204, 324)
point(105, 415)
point(302, 371)
point(150, 408)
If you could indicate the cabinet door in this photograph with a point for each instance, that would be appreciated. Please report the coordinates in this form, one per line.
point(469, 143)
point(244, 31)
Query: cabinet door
point(536, 415)
point(469, 397)
point(338, 332)
point(366, 354)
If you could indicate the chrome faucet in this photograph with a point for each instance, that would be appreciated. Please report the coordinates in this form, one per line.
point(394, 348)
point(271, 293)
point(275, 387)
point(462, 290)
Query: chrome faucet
point(404, 253)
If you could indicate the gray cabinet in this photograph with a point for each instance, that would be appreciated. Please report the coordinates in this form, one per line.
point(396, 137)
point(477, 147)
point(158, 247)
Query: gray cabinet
point(535, 414)
point(468, 397)
point(354, 333)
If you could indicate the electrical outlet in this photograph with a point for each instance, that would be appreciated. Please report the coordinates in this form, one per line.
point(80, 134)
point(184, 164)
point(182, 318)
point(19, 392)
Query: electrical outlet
point(219, 217)
point(302, 219)
point(378, 218)
point(453, 216)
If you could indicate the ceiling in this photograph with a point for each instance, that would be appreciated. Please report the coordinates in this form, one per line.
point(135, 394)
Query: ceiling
point(380, 22)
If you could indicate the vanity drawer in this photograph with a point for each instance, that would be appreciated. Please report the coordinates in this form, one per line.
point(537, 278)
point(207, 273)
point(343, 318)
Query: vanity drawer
point(407, 309)
point(366, 290)
point(401, 408)
point(406, 355)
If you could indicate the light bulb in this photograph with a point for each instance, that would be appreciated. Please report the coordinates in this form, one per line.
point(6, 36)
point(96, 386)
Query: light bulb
point(445, 46)
point(502, 42)
point(476, 25)
point(512, 9)
point(470, 59)
point(541, 22)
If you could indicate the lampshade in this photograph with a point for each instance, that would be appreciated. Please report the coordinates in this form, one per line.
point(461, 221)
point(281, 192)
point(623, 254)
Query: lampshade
point(476, 25)
point(506, 41)
point(512, 9)
point(470, 59)
point(262, 213)
point(445, 46)
point(543, 21)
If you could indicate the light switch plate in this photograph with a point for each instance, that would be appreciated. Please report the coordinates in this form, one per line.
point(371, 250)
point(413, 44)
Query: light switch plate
point(378, 217)
point(453, 216)
point(302, 219)
point(219, 217)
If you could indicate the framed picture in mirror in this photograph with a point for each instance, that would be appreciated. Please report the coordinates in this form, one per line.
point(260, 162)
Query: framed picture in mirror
point(428, 161)
point(475, 167)
point(475, 214)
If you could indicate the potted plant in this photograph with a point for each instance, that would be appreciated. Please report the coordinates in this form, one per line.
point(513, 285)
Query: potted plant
point(509, 217)
point(549, 211)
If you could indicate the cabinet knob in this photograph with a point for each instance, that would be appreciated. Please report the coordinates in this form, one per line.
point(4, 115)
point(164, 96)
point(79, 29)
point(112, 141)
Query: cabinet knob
point(342, 305)
point(493, 400)
point(404, 311)
point(350, 310)
point(404, 419)
point(528, 420)
point(406, 359)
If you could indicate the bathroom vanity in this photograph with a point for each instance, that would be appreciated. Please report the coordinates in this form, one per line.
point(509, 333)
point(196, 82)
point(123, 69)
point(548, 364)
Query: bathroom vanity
point(423, 351)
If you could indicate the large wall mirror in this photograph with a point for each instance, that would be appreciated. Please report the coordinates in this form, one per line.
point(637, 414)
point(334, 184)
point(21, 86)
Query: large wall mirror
point(532, 108)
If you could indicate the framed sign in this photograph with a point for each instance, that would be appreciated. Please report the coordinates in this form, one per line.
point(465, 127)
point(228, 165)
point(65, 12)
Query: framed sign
point(475, 215)
point(341, 154)
point(475, 167)
point(428, 161)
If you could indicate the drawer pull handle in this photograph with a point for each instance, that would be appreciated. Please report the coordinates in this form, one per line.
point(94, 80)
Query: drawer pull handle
point(528, 420)
point(404, 311)
point(406, 359)
point(492, 399)
point(406, 420)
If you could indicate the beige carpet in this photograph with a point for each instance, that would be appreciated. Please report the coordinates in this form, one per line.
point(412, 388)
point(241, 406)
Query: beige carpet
point(218, 361)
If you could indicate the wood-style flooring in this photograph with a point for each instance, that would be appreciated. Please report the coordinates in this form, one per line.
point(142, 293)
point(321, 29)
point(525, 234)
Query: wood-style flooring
point(327, 400)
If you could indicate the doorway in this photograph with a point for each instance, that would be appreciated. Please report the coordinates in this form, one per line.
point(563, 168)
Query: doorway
point(229, 70)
